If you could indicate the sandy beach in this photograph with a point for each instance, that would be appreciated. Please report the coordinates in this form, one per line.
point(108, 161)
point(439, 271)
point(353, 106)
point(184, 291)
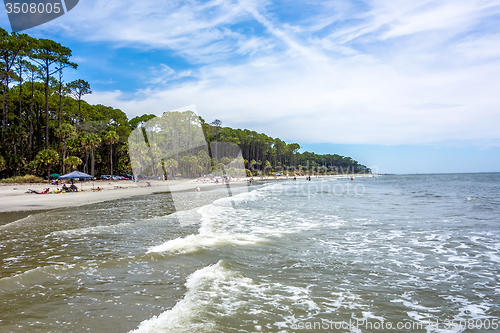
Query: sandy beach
point(13, 197)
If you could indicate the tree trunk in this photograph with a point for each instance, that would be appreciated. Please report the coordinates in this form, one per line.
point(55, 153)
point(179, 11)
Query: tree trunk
point(21, 104)
point(60, 113)
point(86, 167)
point(4, 127)
point(111, 159)
point(6, 105)
point(39, 129)
point(47, 107)
point(31, 119)
point(92, 161)
point(64, 156)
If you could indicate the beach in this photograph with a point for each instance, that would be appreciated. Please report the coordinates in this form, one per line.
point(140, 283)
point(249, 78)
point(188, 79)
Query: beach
point(410, 251)
point(13, 197)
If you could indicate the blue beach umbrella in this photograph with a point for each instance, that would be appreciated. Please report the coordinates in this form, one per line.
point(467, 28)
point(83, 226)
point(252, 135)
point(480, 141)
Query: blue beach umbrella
point(76, 175)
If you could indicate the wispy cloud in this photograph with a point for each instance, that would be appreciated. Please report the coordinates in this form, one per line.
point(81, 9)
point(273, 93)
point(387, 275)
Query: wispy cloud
point(376, 71)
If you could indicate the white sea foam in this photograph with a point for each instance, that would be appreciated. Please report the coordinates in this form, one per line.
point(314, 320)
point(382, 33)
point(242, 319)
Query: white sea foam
point(186, 314)
point(193, 243)
point(219, 291)
point(197, 311)
point(216, 230)
point(222, 224)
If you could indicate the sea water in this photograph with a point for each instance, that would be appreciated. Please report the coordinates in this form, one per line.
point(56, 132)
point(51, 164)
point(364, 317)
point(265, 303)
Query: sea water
point(417, 253)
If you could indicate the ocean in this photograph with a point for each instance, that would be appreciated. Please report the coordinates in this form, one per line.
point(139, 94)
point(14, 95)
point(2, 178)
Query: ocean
point(417, 253)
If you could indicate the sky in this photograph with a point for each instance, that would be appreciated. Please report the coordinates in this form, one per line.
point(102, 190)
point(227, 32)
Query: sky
point(401, 86)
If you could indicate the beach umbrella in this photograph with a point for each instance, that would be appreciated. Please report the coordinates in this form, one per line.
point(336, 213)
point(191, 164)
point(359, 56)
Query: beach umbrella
point(76, 175)
point(54, 175)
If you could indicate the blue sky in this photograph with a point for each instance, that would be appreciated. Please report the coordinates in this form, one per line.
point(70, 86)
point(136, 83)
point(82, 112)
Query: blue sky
point(393, 84)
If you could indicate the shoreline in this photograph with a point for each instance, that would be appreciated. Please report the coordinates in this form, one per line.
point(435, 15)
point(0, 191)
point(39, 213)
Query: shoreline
point(15, 200)
point(13, 197)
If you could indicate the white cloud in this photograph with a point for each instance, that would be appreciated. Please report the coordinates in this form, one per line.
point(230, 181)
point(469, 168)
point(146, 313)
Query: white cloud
point(385, 72)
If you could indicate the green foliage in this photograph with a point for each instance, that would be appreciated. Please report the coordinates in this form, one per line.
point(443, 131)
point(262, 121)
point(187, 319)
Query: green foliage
point(72, 162)
point(23, 179)
point(3, 163)
point(15, 162)
point(47, 157)
point(111, 138)
point(65, 131)
point(136, 121)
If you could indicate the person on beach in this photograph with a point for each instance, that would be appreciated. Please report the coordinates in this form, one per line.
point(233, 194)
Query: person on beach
point(197, 189)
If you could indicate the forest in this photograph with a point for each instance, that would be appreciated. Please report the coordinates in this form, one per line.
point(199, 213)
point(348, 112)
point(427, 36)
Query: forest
point(47, 127)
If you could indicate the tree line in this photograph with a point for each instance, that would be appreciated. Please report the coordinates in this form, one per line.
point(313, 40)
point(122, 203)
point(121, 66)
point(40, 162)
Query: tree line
point(262, 153)
point(45, 123)
point(46, 126)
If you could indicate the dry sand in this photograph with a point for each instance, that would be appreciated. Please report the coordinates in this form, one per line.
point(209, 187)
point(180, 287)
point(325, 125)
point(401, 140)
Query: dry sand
point(14, 197)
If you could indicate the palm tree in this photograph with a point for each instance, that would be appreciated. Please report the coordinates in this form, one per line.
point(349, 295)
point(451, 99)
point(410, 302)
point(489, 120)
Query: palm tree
point(110, 139)
point(171, 165)
point(220, 166)
point(267, 167)
point(85, 144)
point(93, 141)
point(48, 157)
point(72, 162)
point(64, 132)
point(204, 159)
